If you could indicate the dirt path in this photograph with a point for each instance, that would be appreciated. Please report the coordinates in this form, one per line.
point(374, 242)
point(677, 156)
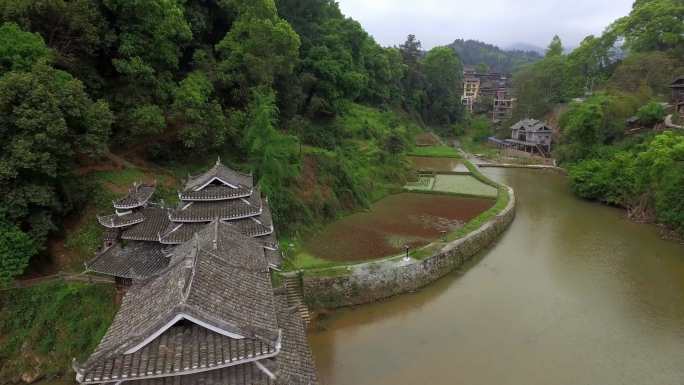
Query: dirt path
point(669, 124)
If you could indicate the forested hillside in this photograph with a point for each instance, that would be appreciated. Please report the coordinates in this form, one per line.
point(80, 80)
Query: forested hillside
point(489, 57)
point(291, 90)
point(625, 72)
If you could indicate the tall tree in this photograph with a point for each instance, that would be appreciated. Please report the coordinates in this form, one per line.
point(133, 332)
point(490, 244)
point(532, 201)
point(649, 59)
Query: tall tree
point(444, 76)
point(653, 25)
point(555, 47)
point(259, 48)
point(47, 119)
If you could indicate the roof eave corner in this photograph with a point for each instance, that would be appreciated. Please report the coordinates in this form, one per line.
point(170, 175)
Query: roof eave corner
point(80, 375)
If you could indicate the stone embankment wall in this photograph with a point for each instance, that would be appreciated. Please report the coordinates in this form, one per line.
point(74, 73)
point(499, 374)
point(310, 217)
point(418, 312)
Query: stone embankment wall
point(381, 280)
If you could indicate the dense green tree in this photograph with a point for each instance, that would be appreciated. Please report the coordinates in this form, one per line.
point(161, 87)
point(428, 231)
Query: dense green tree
point(274, 156)
point(76, 30)
point(588, 125)
point(651, 113)
point(47, 119)
point(414, 82)
point(20, 50)
point(199, 114)
point(649, 72)
point(653, 25)
point(555, 47)
point(444, 77)
point(259, 48)
point(16, 249)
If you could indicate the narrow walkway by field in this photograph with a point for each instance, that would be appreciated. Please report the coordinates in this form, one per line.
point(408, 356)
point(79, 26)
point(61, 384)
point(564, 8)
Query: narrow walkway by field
point(670, 124)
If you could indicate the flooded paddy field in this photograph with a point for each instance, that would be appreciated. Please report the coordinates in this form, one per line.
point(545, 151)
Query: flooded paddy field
point(423, 163)
point(453, 184)
point(412, 219)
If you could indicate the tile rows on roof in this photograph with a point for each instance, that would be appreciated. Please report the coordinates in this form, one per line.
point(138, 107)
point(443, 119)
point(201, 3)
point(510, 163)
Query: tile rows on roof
point(209, 211)
point(221, 173)
point(220, 277)
point(245, 374)
point(137, 260)
point(156, 221)
point(182, 348)
point(176, 233)
point(295, 364)
point(116, 221)
point(216, 193)
point(137, 196)
point(530, 125)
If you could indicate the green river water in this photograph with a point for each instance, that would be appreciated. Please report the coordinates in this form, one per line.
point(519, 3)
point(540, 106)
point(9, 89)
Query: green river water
point(573, 293)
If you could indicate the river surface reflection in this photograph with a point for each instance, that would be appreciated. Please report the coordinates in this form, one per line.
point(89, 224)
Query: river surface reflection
point(573, 293)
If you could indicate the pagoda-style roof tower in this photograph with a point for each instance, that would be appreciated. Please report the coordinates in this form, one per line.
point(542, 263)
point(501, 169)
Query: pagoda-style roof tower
point(209, 317)
point(151, 231)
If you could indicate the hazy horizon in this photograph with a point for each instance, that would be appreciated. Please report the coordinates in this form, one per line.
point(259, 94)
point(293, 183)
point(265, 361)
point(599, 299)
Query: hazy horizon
point(499, 22)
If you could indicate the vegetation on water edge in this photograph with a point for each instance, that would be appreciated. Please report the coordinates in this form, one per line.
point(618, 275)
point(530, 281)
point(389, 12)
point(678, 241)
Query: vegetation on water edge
point(613, 88)
point(44, 327)
point(435, 152)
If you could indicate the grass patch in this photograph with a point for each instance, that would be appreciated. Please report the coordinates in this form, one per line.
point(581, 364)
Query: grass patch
point(120, 178)
point(45, 326)
point(435, 152)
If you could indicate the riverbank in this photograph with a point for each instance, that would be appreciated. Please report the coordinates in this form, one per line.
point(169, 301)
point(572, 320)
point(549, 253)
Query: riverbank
point(362, 283)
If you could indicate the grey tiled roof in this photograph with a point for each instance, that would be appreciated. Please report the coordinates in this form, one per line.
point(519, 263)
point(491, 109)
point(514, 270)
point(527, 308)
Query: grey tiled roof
point(220, 278)
point(222, 172)
point(531, 125)
point(224, 210)
point(177, 233)
point(215, 193)
point(245, 374)
point(138, 196)
point(116, 221)
point(180, 349)
point(295, 364)
point(137, 260)
point(156, 222)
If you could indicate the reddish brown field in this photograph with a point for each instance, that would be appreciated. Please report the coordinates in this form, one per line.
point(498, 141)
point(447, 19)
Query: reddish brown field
point(421, 163)
point(413, 219)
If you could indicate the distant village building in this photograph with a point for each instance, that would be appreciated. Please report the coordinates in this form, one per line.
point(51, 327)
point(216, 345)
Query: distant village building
point(471, 91)
point(477, 86)
point(200, 307)
point(528, 135)
point(678, 94)
point(503, 106)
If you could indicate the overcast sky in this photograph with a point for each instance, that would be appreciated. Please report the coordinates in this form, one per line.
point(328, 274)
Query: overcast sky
point(500, 22)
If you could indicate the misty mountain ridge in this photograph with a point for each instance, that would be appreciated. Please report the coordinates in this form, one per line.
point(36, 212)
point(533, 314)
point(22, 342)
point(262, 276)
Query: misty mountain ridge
point(476, 53)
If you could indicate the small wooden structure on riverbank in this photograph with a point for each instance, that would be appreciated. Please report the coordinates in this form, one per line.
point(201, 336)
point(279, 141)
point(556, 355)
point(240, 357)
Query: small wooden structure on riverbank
point(528, 135)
